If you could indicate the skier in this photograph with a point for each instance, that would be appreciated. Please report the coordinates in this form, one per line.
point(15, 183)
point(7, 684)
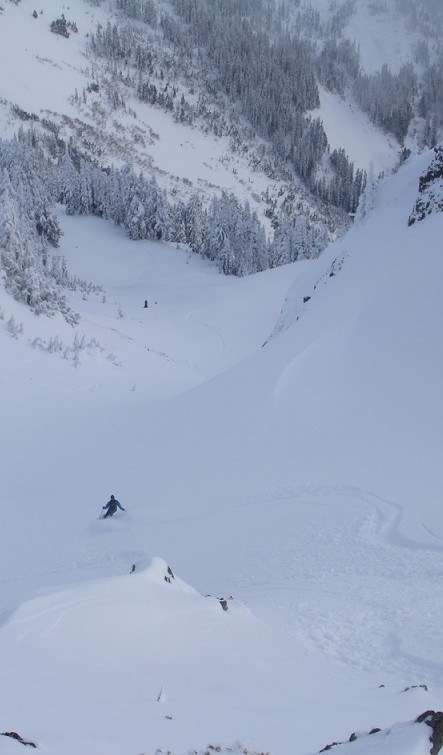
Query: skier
point(111, 506)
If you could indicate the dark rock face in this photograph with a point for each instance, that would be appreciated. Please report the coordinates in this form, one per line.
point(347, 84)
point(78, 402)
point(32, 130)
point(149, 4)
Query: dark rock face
point(330, 746)
point(416, 686)
point(352, 738)
point(14, 735)
point(435, 721)
point(430, 198)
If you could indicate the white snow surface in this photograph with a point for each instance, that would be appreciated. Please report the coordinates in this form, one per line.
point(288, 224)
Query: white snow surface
point(381, 35)
point(345, 123)
point(301, 477)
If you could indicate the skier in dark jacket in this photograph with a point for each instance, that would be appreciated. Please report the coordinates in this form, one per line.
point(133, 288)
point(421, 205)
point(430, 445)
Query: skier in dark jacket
point(111, 507)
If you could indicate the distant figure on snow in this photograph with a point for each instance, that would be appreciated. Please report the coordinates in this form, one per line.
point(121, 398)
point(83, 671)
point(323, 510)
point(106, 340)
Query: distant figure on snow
point(111, 507)
point(146, 304)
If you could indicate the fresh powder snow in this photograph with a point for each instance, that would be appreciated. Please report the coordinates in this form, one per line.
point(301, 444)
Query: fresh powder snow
point(297, 480)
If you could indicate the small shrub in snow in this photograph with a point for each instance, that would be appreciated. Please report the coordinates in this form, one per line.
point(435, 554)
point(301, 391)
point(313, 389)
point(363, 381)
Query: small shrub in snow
point(72, 353)
point(15, 329)
point(53, 346)
point(235, 749)
point(80, 345)
point(60, 274)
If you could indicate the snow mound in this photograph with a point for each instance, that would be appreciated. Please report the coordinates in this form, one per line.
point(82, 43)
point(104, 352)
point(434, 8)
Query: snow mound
point(158, 572)
point(137, 638)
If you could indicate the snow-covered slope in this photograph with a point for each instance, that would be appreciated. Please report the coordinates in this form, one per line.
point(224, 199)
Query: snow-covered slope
point(382, 34)
point(276, 440)
point(367, 146)
point(51, 80)
point(301, 477)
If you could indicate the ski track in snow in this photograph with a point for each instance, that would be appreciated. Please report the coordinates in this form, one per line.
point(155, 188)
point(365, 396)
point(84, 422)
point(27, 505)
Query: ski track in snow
point(431, 533)
point(330, 566)
point(324, 570)
point(333, 544)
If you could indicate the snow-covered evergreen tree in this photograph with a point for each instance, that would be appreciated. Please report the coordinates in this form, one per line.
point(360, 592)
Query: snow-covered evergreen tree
point(23, 259)
point(367, 199)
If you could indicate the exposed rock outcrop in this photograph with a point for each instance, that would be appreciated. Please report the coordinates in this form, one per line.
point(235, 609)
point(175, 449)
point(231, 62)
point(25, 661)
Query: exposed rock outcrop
point(435, 721)
point(430, 198)
point(432, 718)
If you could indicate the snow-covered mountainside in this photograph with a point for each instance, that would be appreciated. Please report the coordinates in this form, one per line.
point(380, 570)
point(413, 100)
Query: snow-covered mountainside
point(155, 84)
point(245, 131)
point(275, 440)
point(295, 484)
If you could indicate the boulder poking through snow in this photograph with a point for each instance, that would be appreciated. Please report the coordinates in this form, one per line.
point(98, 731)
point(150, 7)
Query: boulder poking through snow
point(435, 721)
